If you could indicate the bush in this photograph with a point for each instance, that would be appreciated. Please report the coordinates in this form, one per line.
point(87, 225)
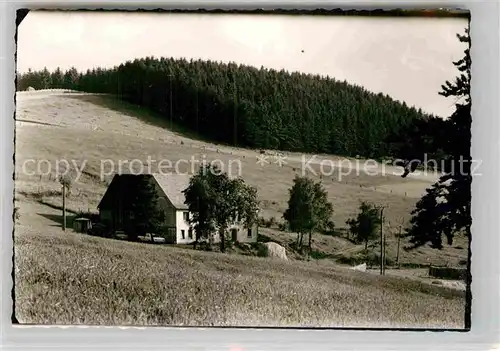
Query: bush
point(319, 255)
point(283, 227)
point(413, 265)
point(262, 222)
point(448, 273)
point(371, 259)
point(272, 222)
point(329, 229)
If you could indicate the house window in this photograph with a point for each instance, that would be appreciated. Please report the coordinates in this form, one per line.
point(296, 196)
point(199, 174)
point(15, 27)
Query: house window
point(186, 216)
point(249, 232)
point(190, 233)
point(183, 234)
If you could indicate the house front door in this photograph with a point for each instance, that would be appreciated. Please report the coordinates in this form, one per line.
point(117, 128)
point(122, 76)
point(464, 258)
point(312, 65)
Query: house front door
point(120, 218)
point(234, 234)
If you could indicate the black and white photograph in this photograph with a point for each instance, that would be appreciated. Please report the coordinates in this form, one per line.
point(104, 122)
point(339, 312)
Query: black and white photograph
point(238, 169)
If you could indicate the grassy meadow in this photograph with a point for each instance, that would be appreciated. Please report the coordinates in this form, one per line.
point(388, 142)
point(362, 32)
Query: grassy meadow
point(67, 278)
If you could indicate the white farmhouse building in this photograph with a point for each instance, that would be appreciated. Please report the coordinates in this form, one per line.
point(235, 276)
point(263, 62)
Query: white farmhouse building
point(171, 200)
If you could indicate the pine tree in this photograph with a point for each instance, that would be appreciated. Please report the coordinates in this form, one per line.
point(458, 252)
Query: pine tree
point(141, 204)
point(445, 210)
point(46, 81)
point(70, 79)
point(57, 79)
point(367, 223)
point(448, 201)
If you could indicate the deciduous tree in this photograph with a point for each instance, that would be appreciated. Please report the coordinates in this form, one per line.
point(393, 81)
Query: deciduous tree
point(308, 209)
point(215, 199)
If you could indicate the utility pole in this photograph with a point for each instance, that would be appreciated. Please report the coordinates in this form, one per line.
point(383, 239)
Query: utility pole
point(235, 113)
point(385, 242)
point(64, 205)
point(170, 104)
point(399, 239)
point(382, 242)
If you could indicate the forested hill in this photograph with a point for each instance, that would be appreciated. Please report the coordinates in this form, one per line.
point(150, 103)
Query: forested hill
point(247, 106)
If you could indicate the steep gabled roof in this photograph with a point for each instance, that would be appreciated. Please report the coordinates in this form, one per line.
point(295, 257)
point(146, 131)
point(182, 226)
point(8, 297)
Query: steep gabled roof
point(109, 190)
point(173, 185)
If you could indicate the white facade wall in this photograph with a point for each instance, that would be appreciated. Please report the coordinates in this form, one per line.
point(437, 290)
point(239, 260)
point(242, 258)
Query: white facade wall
point(182, 225)
point(241, 233)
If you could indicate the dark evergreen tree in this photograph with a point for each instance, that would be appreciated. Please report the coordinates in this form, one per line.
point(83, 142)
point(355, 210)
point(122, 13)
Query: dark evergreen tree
point(45, 79)
point(57, 79)
point(366, 225)
point(143, 214)
point(445, 210)
point(21, 83)
point(448, 201)
point(70, 80)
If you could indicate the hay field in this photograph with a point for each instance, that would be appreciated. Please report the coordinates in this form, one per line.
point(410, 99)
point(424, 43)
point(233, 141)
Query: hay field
point(68, 278)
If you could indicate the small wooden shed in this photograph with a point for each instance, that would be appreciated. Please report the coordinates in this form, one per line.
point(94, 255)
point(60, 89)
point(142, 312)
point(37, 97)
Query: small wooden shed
point(82, 225)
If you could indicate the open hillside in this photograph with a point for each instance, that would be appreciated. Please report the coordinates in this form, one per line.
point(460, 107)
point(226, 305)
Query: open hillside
point(67, 278)
point(244, 106)
point(89, 130)
point(97, 132)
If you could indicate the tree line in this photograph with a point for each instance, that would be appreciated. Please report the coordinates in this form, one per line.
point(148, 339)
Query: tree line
point(247, 106)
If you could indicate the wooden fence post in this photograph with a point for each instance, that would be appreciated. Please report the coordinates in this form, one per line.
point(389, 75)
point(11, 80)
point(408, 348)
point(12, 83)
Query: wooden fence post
point(64, 206)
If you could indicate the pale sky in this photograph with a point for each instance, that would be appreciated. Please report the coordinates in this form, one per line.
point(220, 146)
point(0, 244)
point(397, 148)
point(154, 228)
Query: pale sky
point(406, 58)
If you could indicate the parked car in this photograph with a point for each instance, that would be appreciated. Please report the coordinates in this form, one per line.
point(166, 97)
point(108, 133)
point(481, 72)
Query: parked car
point(147, 238)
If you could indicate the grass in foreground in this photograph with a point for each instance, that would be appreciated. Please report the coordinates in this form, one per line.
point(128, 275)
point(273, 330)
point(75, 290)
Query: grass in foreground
point(65, 278)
